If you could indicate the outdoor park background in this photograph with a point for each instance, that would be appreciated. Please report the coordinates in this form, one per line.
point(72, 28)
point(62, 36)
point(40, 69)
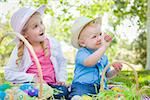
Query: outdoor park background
point(128, 20)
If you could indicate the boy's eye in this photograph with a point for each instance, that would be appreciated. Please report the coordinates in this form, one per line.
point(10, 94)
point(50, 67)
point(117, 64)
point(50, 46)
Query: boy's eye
point(93, 21)
point(94, 36)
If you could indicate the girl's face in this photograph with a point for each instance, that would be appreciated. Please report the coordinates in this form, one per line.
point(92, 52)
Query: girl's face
point(34, 31)
point(91, 37)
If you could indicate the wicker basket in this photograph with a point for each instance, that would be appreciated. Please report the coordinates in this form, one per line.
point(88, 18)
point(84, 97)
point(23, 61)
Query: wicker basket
point(122, 62)
point(36, 61)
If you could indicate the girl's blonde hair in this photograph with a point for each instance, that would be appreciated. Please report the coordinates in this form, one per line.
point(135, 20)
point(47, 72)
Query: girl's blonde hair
point(21, 44)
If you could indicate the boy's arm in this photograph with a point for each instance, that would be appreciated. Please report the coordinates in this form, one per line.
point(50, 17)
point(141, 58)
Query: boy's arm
point(115, 71)
point(111, 74)
point(93, 58)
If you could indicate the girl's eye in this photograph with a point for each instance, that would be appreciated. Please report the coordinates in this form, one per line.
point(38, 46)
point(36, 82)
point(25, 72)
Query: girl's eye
point(100, 34)
point(35, 26)
point(41, 22)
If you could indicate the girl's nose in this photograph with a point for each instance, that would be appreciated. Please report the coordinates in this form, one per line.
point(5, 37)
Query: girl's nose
point(42, 28)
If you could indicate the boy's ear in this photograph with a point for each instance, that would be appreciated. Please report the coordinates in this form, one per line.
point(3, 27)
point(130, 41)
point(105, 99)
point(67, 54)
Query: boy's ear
point(81, 43)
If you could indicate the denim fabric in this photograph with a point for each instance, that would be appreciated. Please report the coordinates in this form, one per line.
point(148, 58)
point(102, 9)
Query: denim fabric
point(81, 89)
point(62, 89)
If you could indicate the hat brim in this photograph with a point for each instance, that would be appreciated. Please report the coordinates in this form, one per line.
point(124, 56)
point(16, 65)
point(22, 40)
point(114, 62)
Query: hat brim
point(75, 36)
point(40, 10)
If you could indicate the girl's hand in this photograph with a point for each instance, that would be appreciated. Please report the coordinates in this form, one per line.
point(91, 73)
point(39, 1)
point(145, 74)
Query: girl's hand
point(37, 80)
point(117, 66)
point(61, 83)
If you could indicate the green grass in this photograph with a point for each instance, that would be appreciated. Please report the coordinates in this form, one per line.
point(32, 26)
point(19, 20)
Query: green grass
point(125, 78)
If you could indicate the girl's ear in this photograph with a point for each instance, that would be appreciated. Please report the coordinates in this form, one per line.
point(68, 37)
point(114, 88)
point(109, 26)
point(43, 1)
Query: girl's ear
point(81, 43)
point(24, 34)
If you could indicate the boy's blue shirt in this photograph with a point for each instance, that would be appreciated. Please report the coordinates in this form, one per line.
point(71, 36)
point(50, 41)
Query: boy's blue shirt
point(88, 75)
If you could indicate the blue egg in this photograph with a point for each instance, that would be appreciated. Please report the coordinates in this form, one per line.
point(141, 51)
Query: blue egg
point(2, 95)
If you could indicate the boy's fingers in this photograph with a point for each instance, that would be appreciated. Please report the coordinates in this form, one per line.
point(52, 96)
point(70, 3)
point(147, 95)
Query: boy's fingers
point(117, 66)
point(108, 38)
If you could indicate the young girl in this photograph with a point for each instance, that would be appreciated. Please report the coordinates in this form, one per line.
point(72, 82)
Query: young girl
point(22, 67)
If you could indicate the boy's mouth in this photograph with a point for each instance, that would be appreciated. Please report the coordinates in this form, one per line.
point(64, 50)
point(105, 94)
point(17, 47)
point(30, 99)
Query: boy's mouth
point(99, 43)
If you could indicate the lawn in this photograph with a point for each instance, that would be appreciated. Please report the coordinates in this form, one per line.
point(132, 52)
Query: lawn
point(125, 78)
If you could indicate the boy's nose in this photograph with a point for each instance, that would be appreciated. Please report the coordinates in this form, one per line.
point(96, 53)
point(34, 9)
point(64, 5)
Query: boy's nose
point(98, 39)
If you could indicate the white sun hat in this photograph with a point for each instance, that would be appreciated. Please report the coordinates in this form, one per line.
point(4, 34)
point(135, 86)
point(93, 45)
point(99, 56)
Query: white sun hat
point(21, 16)
point(78, 26)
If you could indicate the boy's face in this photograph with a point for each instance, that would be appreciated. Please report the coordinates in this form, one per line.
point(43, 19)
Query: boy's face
point(35, 29)
point(91, 37)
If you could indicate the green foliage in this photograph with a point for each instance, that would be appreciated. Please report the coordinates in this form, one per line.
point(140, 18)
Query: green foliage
point(139, 46)
point(125, 78)
point(129, 9)
point(64, 12)
point(5, 49)
point(127, 93)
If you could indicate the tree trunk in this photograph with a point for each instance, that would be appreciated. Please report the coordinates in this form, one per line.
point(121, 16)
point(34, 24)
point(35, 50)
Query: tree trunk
point(148, 36)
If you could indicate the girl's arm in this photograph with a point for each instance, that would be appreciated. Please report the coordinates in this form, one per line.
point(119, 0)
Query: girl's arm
point(14, 73)
point(62, 63)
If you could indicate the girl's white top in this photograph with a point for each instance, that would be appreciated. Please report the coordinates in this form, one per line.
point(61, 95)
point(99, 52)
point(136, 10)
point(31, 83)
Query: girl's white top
point(17, 74)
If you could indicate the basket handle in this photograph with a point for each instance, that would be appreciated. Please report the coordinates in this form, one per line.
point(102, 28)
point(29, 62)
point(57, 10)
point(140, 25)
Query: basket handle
point(104, 71)
point(36, 60)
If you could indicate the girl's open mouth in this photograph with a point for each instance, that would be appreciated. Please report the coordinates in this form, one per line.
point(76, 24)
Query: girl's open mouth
point(41, 34)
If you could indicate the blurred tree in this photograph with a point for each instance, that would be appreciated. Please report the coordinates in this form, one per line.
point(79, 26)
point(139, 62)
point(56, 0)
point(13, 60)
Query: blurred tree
point(148, 36)
point(131, 9)
point(64, 12)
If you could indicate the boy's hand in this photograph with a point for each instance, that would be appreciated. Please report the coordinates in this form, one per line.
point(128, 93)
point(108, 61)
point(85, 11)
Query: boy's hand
point(107, 40)
point(117, 66)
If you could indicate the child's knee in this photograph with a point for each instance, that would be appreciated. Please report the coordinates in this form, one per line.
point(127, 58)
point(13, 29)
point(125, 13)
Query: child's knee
point(76, 97)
